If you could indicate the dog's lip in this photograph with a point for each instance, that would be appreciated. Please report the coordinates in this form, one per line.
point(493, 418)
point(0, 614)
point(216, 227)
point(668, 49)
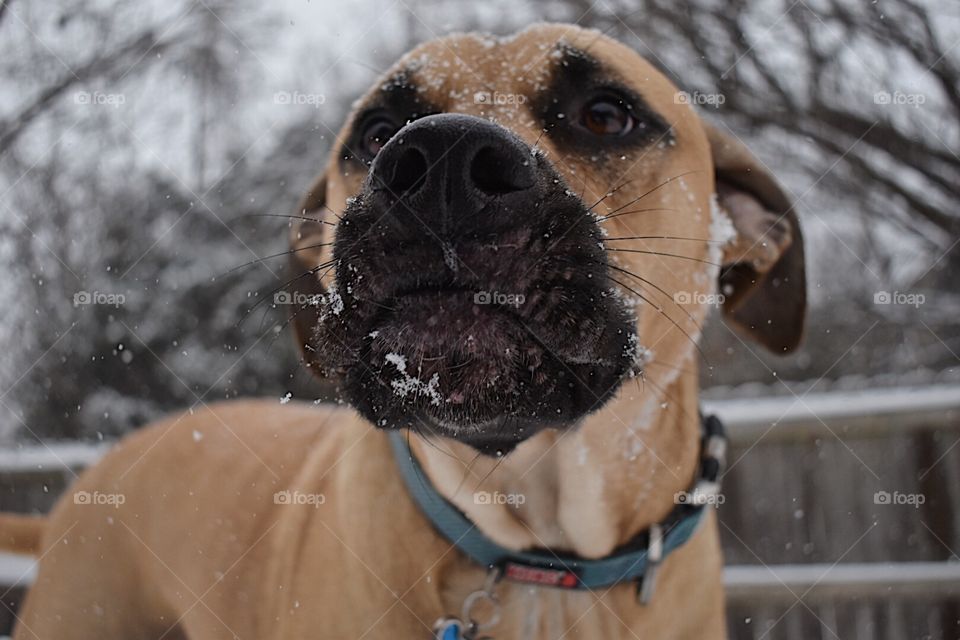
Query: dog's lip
point(481, 429)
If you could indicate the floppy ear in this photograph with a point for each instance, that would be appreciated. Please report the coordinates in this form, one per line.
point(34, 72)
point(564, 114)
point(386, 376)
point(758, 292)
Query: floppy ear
point(306, 234)
point(762, 275)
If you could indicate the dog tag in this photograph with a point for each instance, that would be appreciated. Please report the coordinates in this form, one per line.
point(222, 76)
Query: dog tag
point(449, 629)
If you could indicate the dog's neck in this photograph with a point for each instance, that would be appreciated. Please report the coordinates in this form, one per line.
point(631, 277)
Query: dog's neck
point(584, 490)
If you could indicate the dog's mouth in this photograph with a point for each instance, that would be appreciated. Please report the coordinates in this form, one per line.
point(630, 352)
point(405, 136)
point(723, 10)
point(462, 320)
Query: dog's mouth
point(484, 319)
point(448, 361)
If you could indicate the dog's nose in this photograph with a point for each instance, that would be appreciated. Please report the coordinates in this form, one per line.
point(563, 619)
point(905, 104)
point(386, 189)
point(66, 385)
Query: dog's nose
point(452, 163)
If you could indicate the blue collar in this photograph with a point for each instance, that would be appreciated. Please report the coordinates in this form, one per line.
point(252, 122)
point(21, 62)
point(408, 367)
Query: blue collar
point(631, 561)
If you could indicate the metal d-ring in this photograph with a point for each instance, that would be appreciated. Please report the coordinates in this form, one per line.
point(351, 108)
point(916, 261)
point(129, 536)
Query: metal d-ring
point(484, 594)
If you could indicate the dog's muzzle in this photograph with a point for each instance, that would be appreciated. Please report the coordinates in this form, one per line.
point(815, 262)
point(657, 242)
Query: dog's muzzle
point(472, 294)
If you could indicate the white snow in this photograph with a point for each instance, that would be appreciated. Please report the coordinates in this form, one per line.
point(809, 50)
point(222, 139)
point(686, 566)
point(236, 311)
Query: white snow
point(334, 302)
point(722, 231)
point(408, 384)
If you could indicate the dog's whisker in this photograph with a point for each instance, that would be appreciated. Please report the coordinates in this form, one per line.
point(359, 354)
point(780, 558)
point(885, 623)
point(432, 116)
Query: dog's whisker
point(665, 255)
point(670, 366)
point(492, 470)
point(666, 294)
point(424, 483)
point(611, 192)
point(280, 332)
point(666, 397)
point(536, 144)
point(328, 209)
point(432, 439)
point(286, 323)
point(283, 325)
point(665, 238)
point(647, 193)
point(307, 273)
point(286, 216)
point(664, 314)
point(432, 442)
point(496, 465)
point(275, 255)
point(624, 213)
point(334, 213)
point(467, 472)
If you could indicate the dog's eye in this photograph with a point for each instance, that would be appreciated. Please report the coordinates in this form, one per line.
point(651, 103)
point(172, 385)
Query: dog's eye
point(607, 116)
point(375, 135)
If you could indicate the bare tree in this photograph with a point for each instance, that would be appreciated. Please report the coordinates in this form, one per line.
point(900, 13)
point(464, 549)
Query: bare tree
point(853, 104)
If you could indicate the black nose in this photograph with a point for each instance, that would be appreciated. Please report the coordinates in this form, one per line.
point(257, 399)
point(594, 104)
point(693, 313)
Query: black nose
point(453, 164)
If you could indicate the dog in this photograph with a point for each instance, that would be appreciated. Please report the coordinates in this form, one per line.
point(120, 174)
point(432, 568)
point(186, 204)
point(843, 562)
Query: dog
point(507, 260)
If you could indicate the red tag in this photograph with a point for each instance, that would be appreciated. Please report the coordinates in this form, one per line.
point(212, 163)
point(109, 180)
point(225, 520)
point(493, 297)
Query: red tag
point(535, 575)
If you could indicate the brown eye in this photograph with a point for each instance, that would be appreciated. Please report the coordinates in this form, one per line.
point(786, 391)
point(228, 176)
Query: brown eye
point(375, 135)
point(607, 116)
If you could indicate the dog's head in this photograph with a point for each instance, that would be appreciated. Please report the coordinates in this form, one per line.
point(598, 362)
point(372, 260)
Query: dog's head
point(509, 228)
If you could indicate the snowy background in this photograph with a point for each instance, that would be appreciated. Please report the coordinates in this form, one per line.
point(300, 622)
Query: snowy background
point(137, 140)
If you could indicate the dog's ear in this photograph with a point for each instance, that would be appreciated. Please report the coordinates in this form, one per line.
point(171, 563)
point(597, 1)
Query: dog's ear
point(762, 276)
point(306, 235)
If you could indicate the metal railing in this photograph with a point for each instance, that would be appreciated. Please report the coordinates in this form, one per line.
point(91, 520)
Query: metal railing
point(872, 413)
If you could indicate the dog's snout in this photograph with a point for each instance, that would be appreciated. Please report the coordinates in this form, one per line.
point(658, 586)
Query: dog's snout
point(473, 288)
point(452, 159)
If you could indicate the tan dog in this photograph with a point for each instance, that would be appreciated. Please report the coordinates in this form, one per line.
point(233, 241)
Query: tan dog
point(592, 203)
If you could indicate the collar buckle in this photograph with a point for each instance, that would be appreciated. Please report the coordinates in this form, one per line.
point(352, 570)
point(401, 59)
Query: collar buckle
point(654, 555)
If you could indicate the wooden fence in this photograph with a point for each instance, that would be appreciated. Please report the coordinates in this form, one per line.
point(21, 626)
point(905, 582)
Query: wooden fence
point(841, 516)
